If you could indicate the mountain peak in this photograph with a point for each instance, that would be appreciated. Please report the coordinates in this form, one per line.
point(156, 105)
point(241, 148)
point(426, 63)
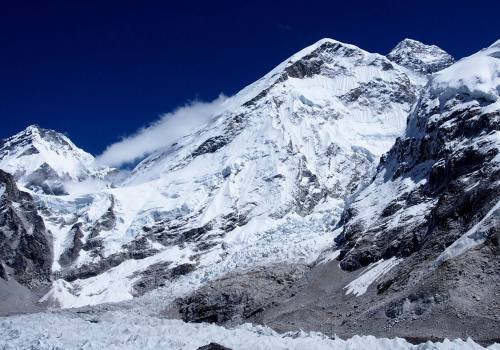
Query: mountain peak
point(36, 154)
point(33, 127)
point(419, 57)
point(409, 41)
point(39, 137)
point(318, 44)
point(28, 133)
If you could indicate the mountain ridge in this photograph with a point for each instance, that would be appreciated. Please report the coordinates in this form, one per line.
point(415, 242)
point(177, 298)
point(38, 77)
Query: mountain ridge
point(263, 182)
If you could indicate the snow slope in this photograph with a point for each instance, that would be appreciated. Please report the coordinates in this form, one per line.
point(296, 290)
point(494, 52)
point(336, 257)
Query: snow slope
point(373, 272)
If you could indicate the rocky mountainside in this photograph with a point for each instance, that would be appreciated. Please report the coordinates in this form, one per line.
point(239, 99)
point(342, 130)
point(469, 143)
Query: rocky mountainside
point(440, 180)
point(25, 247)
point(414, 55)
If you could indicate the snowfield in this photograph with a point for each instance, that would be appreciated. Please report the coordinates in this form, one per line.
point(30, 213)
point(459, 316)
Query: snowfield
point(119, 330)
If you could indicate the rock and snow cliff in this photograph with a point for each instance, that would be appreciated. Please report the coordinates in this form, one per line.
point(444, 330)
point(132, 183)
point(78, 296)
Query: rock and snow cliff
point(25, 246)
point(440, 180)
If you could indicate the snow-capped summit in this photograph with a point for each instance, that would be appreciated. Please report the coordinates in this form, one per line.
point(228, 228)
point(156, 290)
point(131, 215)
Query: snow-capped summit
point(42, 159)
point(419, 57)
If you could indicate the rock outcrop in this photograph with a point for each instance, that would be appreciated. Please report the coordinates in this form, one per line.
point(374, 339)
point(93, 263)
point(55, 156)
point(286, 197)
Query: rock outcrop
point(240, 295)
point(25, 245)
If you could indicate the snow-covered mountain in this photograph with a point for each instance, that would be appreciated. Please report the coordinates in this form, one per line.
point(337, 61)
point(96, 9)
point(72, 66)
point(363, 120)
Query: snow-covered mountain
point(418, 247)
point(446, 163)
point(418, 57)
point(43, 160)
point(264, 182)
point(278, 185)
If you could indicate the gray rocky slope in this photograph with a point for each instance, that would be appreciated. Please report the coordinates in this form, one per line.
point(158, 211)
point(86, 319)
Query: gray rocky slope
point(432, 209)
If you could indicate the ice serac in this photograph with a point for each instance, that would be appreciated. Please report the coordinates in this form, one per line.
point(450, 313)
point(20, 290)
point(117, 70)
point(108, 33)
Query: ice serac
point(43, 160)
point(263, 182)
point(421, 58)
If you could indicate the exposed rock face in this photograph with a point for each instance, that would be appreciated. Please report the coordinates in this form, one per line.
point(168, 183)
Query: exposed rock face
point(73, 250)
point(104, 264)
point(414, 55)
point(25, 248)
point(240, 295)
point(158, 275)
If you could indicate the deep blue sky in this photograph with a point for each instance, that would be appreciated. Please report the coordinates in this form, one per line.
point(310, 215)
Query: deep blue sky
point(98, 70)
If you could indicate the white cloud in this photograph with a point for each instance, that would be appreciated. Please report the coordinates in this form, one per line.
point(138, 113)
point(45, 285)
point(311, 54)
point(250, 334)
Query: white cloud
point(163, 132)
